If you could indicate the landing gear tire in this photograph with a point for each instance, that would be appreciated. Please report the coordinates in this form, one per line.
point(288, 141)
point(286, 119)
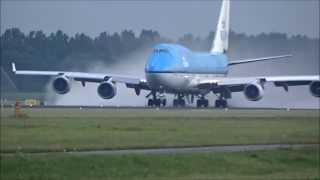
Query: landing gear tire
point(199, 103)
point(175, 103)
point(221, 103)
point(179, 102)
point(150, 103)
point(182, 103)
point(164, 102)
point(202, 103)
point(157, 102)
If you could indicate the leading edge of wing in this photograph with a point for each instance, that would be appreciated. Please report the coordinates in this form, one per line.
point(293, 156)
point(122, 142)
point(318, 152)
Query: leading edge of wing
point(81, 76)
point(231, 63)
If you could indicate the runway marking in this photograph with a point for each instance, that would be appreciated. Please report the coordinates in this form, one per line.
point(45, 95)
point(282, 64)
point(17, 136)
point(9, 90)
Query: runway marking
point(183, 150)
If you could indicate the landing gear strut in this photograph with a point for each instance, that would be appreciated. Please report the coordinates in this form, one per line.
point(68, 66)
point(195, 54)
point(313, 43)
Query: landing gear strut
point(179, 101)
point(202, 102)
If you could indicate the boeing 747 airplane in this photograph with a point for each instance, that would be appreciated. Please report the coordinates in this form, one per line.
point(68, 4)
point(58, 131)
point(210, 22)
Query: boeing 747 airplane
point(189, 75)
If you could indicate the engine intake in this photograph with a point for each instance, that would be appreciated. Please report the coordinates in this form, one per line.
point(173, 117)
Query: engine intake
point(107, 90)
point(253, 92)
point(315, 88)
point(61, 85)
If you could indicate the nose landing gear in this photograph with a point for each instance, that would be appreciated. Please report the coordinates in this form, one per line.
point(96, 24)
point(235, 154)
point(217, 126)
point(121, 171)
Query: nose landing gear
point(156, 101)
point(179, 102)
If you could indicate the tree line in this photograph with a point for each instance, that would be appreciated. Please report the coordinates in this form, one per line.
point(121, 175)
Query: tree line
point(56, 51)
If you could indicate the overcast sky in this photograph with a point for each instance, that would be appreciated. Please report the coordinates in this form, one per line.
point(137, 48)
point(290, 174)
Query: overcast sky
point(171, 19)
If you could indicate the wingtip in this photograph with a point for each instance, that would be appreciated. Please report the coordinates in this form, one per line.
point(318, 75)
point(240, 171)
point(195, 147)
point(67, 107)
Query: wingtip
point(13, 67)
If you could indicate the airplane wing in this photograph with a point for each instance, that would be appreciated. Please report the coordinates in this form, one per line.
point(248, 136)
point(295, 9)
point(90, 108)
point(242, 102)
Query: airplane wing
point(131, 82)
point(231, 63)
point(237, 84)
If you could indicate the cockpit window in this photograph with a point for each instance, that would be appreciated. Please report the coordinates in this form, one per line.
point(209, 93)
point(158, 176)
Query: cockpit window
point(160, 60)
point(160, 51)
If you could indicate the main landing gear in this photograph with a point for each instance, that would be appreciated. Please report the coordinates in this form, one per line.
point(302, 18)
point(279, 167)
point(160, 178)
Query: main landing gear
point(202, 102)
point(221, 103)
point(159, 100)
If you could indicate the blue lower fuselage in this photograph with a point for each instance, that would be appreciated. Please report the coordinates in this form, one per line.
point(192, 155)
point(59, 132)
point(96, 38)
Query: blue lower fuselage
point(172, 66)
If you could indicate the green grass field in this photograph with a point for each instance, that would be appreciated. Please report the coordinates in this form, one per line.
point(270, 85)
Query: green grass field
point(93, 129)
point(84, 129)
point(279, 165)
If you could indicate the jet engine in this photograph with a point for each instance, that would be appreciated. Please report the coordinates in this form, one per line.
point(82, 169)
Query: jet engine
point(315, 88)
point(107, 90)
point(61, 85)
point(253, 92)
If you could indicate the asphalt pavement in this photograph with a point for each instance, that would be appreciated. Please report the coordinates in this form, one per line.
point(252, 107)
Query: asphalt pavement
point(183, 150)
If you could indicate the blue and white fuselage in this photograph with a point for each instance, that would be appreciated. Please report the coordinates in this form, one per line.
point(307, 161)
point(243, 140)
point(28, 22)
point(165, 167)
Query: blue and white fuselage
point(175, 68)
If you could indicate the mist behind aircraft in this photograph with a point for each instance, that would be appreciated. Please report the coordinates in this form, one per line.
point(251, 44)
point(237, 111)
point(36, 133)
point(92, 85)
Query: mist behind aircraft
point(275, 97)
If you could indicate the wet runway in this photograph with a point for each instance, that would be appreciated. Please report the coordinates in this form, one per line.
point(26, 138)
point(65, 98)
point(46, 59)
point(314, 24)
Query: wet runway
point(228, 148)
point(144, 107)
point(185, 150)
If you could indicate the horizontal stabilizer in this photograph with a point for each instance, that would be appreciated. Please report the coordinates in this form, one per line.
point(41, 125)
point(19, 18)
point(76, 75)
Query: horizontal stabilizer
point(258, 59)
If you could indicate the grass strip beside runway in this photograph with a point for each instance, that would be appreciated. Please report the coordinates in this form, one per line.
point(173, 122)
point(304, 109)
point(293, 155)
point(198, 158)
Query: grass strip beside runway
point(95, 129)
point(277, 164)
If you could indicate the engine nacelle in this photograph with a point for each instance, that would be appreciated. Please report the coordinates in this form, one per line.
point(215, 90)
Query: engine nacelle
point(61, 85)
point(107, 90)
point(315, 88)
point(253, 92)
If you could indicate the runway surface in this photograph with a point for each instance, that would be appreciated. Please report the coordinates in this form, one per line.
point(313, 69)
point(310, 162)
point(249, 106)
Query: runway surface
point(184, 150)
point(145, 107)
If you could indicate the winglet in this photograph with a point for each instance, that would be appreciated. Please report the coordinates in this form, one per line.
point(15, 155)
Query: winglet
point(13, 67)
